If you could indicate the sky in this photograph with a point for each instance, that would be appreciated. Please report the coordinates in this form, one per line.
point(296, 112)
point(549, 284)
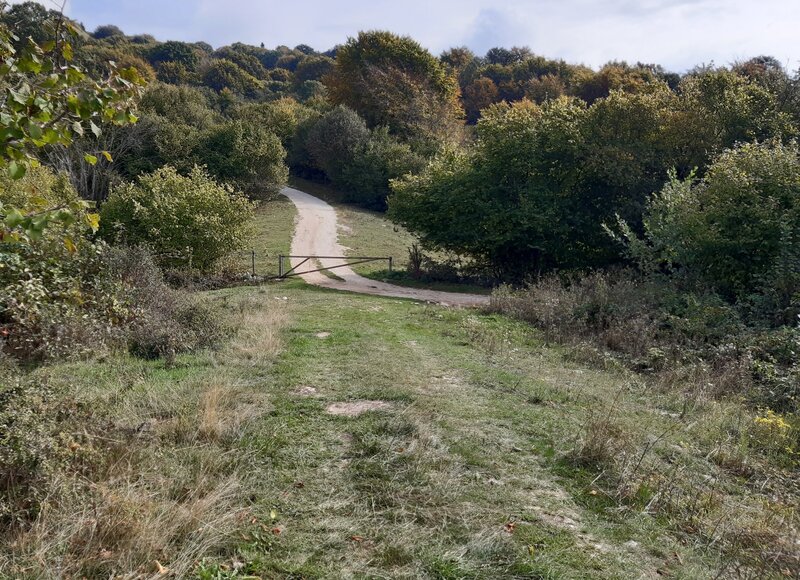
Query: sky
point(678, 34)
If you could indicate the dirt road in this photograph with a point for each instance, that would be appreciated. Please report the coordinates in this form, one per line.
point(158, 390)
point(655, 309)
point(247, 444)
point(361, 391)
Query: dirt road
point(316, 234)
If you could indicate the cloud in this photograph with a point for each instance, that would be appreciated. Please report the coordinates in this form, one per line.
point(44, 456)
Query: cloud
point(675, 33)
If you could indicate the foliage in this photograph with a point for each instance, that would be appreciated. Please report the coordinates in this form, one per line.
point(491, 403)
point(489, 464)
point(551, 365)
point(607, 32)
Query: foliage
point(246, 155)
point(174, 51)
point(391, 80)
point(50, 102)
point(333, 140)
point(374, 163)
point(736, 229)
point(221, 74)
point(187, 221)
point(107, 31)
point(55, 301)
point(313, 69)
point(281, 117)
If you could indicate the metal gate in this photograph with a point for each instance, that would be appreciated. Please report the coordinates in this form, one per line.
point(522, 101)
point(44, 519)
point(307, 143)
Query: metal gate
point(358, 260)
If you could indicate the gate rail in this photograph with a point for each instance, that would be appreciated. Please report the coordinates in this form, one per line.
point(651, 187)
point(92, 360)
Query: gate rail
point(358, 260)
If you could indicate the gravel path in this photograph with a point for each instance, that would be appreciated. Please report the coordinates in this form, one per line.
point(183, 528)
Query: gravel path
point(316, 234)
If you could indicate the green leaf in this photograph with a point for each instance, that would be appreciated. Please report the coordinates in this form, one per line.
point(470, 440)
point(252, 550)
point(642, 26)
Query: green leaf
point(17, 170)
point(66, 51)
point(14, 217)
point(90, 159)
point(34, 130)
point(95, 129)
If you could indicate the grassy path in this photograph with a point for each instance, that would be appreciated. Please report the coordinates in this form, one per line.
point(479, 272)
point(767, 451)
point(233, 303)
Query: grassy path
point(458, 477)
point(487, 454)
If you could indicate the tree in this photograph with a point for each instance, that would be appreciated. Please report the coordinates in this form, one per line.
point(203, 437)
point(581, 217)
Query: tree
point(333, 140)
point(243, 58)
point(107, 31)
point(720, 108)
point(30, 20)
point(223, 74)
point(736, 230)
point(281, 117)
point(174, 51)
point(533, 193)
point(246, 155)
point(477, 96)
point(366, 175)
point(544, 88)
point(457, 58)
point(187, 221)
point(49, 102)
point(393, 81)
point(98, 58)
point(498, 201)
point(313, 68)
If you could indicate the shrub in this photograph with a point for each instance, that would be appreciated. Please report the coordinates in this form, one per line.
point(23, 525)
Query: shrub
point(28, 444)
point(166, 321)
point(187, 221)
point(735, 230)
point(654, 327)
point(334, 139)
point(54, 299)
point(246, 155)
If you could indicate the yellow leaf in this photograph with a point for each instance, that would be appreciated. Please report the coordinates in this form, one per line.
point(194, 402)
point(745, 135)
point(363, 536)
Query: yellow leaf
point(107, 155)
point(93, 221)
point(70, 245)
point(273, 515)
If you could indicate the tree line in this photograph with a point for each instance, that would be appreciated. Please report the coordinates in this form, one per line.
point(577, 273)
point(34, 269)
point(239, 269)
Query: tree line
point(520, 163)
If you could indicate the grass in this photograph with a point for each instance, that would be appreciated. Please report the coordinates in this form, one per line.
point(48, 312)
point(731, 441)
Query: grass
point(369, 233)
point(272, 235)
point(158, 478)
point(497, 458)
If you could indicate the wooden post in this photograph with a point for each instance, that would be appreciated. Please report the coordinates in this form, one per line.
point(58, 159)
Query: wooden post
point(253, 261)
point(280, 265)
point(390, 264)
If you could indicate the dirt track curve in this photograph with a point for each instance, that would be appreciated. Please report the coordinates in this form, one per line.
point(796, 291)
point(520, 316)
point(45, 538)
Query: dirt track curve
point(316, 234)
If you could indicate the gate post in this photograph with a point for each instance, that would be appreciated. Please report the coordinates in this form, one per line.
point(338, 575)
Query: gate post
point(390, 264)
point(280, 265)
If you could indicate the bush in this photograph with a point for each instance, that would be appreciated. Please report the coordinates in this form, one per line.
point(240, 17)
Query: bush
point(54, 299)
point(245, 155)
point(334, 139)
point(166, 321)
point(656, 328)
point(735, 231)
point(29, 443)
point(187, 221)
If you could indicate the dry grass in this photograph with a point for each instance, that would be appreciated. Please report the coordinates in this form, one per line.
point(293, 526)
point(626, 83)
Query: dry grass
point(161, 481)
point(261, 321)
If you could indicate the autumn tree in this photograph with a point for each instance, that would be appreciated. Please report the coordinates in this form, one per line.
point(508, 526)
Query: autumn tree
point(393, 81)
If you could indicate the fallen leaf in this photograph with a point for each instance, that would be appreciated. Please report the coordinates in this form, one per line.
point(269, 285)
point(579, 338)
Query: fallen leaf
point(273, 515)
point(510, 527)
point(299, 485)
point(276, 531)
point(357, 538)
point(162, 570)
